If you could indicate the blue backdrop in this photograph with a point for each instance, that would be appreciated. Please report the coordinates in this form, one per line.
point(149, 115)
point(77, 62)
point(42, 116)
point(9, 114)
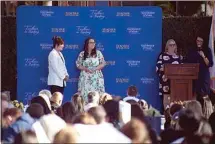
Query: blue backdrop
point(129, 38)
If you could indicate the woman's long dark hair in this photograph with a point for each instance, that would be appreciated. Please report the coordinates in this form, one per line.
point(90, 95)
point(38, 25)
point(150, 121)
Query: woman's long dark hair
point(69, 111)
point(40, 100)
point(86, 43)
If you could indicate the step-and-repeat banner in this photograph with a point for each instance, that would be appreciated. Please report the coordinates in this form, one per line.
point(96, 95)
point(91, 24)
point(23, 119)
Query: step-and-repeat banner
point(129, 38)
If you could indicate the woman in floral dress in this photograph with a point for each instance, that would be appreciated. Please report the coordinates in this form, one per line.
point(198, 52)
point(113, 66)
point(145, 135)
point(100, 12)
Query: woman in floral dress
point(90, 62)
point(170, 56)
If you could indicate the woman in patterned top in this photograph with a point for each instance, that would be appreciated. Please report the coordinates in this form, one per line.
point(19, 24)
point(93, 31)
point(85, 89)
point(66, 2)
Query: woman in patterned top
point(170, 56)
point(90, 62)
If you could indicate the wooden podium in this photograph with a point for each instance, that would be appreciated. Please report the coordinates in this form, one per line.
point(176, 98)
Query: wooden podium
point(181, 80)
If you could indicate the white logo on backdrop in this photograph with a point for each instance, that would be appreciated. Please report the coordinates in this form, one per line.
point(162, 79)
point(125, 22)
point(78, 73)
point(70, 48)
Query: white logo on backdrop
point(60, 30)
point(122, 46)
point(85, 30)
point(122, 80)
point(43, 79)
point(148, 47)
point(46, 46)
point(109, 30)
point(146, 80)
point(73, 80)
point(133, 63)
point(30, 95)
point(133, 30)
point(31, 29)
point(100, 46)
point(31, 62)
point(46, 13)
point(111, 63)
point(123, 14)
point(98, 14)
point(73, 14)
point(72, 46)
point(147, 14)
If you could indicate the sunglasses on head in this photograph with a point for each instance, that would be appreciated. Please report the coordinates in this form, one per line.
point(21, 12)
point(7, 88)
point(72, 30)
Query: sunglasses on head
point(172, 44)
point(92, 42)
point(199, 40)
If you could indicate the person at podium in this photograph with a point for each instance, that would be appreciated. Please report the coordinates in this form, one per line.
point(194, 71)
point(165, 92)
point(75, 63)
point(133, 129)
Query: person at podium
point(201, 54)
point(169, 56)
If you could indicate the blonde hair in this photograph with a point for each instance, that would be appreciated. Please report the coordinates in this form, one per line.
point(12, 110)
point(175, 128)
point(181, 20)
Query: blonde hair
point(195, 106)
point(137, 131)
point(104, 98)
point(78, 101)
point(66, 135)
point(167, 44)
point(85, 118)
point(57, 97)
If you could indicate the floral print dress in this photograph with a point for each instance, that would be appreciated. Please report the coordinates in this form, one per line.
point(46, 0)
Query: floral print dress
point(164, 83)
point(90, 81)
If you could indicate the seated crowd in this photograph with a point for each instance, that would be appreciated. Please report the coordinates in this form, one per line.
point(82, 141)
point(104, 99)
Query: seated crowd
point(48, 120)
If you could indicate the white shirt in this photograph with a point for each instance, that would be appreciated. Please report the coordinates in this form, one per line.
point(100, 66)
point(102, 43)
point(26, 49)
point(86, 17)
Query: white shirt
point(131, 98)
point(100, 133)
point(57, 69)
point(89, 105)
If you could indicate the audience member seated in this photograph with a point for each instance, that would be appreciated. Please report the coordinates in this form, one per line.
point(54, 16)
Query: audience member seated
point(202, 111)
point(78, 101)
point(98, 113)
point(47, 100)
point(137, 112)
point(175, 107)
point(35, 110)
point(47, 127)
point(93, 100)
point(172, 130)
point(69, 112)
point(23, 123)
point(84, 118)
point(10, 116)
point(56, 101)
point(174, 110)
point(131, 94)
point(112, 112)
point(66, 135)
point(148, 109)
point(136, 131)
point(196, 130)
point(195, 107)
point(24, 137)
point(100, 133)
point(40, 100)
